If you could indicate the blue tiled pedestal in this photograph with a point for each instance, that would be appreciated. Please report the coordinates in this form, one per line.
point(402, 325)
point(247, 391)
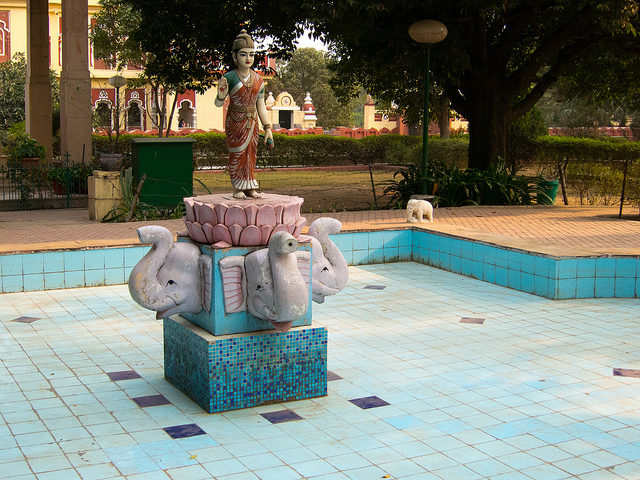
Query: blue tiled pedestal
point(229, 372)
point(217, 320)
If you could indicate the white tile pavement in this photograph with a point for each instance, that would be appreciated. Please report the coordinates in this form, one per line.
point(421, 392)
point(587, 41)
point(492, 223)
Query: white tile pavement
point(529, 394)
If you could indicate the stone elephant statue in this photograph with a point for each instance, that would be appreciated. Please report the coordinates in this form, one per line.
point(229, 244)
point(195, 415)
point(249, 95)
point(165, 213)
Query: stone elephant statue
point(270, 283)
point(267, 282)
point(250, 282)
point(330, 269)
point(172, 277)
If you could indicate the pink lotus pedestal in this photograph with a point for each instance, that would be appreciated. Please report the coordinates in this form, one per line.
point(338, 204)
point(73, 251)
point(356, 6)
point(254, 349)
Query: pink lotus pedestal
point(222, 221)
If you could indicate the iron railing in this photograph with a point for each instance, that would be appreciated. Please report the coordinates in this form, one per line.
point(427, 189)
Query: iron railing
point(42, 185)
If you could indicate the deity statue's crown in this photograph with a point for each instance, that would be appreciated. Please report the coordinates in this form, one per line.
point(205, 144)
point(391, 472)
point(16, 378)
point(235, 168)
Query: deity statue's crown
point(243, 40)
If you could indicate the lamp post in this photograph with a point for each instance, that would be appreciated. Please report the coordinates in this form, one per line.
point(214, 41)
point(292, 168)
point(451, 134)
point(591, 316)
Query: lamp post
point(117, 81)
point(426, 32)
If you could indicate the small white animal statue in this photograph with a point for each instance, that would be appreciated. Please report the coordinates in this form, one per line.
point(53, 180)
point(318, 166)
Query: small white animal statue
point(418, 209)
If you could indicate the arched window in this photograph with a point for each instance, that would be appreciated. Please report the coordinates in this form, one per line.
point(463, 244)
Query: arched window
point(103, 114)
point(186, 115)
point(134, 116)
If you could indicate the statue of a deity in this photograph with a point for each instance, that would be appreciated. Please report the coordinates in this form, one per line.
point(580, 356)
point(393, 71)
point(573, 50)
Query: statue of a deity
point(246, 94)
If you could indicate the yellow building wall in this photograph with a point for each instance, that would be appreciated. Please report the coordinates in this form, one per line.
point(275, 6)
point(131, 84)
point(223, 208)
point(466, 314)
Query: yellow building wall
point(209, 116)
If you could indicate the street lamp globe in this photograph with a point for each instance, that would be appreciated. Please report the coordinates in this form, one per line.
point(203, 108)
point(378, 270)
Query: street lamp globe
point(428, 31)
point(117, 81)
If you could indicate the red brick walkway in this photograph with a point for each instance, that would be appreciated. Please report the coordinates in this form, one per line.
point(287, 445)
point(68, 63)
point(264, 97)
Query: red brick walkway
point(549, 229)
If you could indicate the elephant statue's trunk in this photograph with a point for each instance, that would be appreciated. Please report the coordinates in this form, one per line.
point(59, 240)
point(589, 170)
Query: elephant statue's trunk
point(290, 292)
point(328, 279)
point(144, 286)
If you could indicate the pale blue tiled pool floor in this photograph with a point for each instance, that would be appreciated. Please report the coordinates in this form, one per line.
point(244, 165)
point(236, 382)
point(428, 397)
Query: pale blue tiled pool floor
point(527, 394)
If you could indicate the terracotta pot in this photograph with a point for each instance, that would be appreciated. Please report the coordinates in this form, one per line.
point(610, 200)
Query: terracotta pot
point(59, 188)
point(28, 162)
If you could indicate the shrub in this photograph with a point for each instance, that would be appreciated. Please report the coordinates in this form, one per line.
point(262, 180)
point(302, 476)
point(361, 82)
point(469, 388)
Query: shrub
point(74, 175)
point(19, 144)
point(210, 150)
point(455, 187)
point(520, 136)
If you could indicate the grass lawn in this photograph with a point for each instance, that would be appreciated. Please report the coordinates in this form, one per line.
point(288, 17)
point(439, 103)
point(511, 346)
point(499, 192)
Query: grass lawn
point(323, 190)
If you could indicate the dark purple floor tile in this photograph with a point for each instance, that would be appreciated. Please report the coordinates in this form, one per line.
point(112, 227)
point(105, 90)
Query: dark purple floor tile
point(369, 402)
point(124, 375)
point(376, 287)
point(478, 321)
point(151, 401)
point(626, 372)
point(184, 431)
point(332, 376)
point(281, 416)
point(25, 319)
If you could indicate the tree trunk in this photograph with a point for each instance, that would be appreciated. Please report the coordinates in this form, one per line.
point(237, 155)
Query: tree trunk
point(163, 113)
point(487, 125)
point(443, 117)
point(173, 110)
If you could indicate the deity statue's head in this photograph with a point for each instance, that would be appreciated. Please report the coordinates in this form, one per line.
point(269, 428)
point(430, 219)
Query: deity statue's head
point(243, 50)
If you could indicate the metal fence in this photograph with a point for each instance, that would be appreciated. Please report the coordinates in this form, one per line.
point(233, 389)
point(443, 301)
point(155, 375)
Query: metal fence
point(41, 186)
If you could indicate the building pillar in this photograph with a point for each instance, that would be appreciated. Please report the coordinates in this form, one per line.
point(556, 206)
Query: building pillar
point(369, 113)
point(75, 84)
point(38, 86)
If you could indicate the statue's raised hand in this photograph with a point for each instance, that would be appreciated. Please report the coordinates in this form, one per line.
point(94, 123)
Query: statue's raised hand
point(223, 88)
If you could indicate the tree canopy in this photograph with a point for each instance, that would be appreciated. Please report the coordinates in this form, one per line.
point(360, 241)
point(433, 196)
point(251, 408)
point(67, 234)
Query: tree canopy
point(600, 91)
point(497, 61)
point(189, 42)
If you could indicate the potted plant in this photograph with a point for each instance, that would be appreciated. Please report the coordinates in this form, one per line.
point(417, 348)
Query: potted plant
point(60, 178)
point(69, 178)
point(26, 150)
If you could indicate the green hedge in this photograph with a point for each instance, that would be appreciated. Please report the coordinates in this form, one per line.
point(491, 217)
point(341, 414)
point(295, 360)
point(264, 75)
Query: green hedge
point(548, 149)
point(210, 149)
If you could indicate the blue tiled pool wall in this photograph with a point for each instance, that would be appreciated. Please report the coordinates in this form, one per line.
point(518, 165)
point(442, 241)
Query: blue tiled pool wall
point(240, 370)
point(551, 277)
point(68, 269)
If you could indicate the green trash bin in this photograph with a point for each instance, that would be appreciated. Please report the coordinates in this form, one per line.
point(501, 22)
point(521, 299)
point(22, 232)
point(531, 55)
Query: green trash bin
point(168, 164)
point(546, 191)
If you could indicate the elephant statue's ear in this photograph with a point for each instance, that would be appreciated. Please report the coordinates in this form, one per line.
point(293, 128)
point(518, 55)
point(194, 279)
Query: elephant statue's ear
point(205, 275)
point(304, 265)
point(234, 283)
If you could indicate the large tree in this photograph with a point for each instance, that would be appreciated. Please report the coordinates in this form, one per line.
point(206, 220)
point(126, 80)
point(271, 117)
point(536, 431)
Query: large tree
point(496, 62)
point(189, 42)
point(499, 57)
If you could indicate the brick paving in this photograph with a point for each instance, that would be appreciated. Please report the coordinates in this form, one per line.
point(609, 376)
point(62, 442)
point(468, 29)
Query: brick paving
point(555, 229)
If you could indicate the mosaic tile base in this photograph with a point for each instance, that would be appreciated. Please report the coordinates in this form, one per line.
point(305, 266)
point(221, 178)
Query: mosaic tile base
point(223, 373)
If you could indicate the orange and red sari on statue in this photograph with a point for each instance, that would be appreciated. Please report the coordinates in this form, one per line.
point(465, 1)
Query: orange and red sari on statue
point(242, 129)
